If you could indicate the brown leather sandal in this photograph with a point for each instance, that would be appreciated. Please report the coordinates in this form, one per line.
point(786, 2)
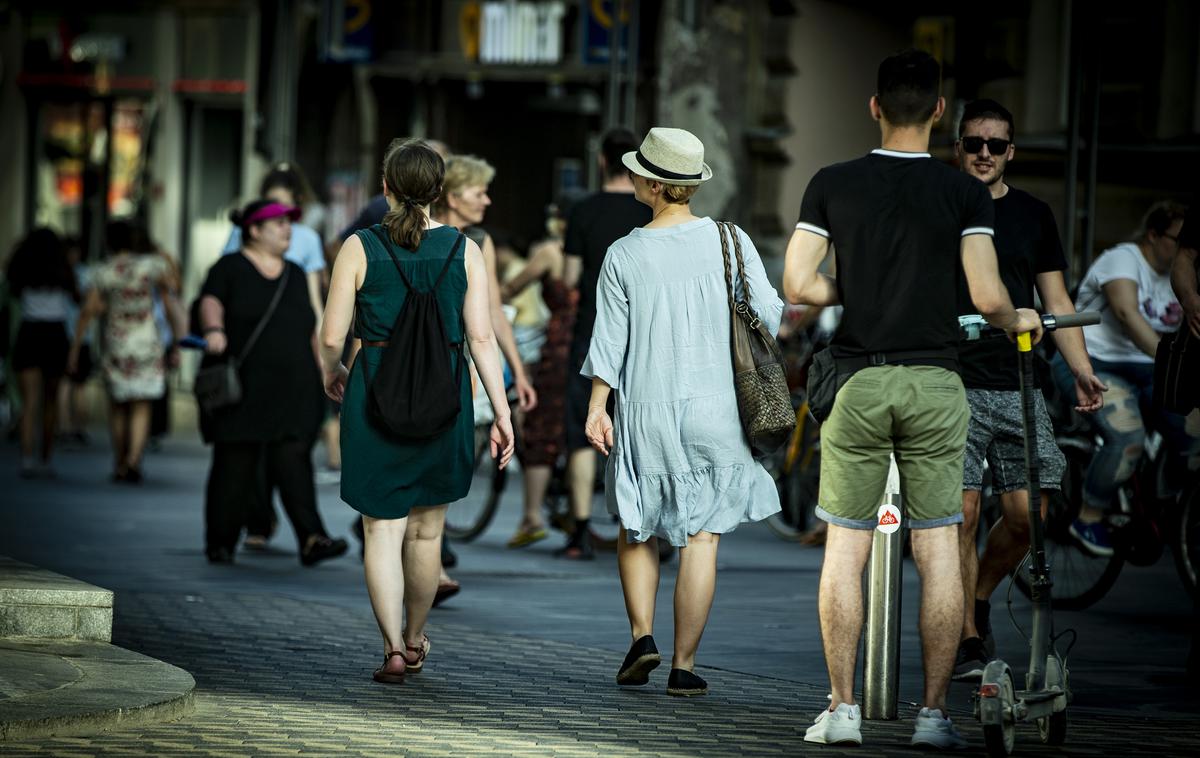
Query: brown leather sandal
point(388, 673)
point(415, 665)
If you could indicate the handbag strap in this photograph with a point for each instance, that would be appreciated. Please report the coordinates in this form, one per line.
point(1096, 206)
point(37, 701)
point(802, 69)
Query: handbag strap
point(262, 322)
point(722, 227)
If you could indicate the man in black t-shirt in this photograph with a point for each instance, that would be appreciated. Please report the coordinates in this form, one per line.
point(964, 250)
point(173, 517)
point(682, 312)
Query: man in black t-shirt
point(1029, 254)
point(593, 224)
point(903, 228)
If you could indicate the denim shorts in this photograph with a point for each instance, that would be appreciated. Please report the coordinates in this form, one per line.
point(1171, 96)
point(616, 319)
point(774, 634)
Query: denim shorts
point(919, 413)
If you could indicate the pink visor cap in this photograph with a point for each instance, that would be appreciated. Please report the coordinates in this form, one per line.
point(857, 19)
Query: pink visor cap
point(272, 210)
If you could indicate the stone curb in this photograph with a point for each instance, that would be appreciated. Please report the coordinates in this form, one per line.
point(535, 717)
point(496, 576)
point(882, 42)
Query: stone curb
point(109, 687)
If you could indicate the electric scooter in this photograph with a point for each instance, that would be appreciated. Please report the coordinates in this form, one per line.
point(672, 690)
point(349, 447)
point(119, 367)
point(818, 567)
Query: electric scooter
point(999, 706)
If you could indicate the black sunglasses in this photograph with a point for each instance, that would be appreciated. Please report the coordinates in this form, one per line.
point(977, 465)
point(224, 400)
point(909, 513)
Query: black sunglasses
point(995, 145)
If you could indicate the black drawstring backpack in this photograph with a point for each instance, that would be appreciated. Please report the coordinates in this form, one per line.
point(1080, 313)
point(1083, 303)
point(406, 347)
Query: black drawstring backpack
point(414, 393)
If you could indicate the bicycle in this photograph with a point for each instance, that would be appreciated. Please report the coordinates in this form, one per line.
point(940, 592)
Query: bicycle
point(796, 469)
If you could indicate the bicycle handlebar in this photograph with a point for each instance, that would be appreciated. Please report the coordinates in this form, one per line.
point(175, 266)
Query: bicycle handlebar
point(973, 328)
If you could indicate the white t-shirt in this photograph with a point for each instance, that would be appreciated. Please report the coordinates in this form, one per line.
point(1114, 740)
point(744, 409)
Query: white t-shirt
point(1108, 341)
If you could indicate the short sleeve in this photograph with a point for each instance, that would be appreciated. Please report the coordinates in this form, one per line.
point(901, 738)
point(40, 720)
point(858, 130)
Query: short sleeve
point(219, 282)
point(1050, 256)
point(1121, 262)
point(814, 216)
point(610, 336)
point(306, 249)
point(763, 298)
point(234, 243)
point(979, 214)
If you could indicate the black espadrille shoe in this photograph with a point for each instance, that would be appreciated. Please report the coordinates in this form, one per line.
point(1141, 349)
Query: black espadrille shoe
point(684, 683)
point(643, 658)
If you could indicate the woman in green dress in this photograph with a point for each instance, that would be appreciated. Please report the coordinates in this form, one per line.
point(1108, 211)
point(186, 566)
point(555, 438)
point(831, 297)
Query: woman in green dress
point(402, 488)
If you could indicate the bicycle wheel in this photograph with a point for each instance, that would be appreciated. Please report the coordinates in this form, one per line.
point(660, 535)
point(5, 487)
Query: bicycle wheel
point(1187, 537)
point(1080, 578)
point(466, 519)
point(797, 501)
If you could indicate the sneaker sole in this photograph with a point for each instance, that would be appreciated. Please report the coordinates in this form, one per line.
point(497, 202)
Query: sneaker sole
point(638, 672)
point(855, 739)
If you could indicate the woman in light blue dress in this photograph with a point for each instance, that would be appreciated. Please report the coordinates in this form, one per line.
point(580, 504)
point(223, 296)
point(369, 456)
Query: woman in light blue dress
point(679, 467)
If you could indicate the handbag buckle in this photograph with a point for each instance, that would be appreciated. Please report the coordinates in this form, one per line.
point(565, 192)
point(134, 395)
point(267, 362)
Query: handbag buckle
point(877, 359)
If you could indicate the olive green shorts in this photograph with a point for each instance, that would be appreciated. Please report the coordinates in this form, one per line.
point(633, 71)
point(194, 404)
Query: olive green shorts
point(918, 412)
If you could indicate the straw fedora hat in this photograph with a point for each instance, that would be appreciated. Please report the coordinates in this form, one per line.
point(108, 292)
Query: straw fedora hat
point(670, 156)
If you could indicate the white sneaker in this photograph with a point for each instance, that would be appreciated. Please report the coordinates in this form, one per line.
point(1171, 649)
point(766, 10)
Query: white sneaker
point(935, 730)
point(840, 727)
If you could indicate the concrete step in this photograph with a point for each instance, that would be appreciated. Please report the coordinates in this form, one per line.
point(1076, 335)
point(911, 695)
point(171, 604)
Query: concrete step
point(70, 687)
point(38, 603)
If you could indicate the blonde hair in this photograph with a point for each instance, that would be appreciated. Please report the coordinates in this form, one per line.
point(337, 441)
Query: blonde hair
point(463, 171)
point(679, 194)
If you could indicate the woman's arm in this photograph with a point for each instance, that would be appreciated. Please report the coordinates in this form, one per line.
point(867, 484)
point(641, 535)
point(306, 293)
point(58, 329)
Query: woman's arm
point(764, 299)
point(539, 263)
point(1183, 281)
point(1089, 391)
point(598, 427)
point(1122, 297)
point(477, 317)
point(527, 396)
point(93, 306)
point(348, 272)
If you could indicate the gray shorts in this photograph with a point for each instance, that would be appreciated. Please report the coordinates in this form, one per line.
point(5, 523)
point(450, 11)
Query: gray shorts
point(995, 435)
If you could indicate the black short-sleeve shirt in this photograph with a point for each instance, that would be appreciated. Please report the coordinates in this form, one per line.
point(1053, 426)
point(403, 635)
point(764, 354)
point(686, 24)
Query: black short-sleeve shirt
point(281, 384)
point(595, 223)
point(896, 222)
point(1027, 244)
point(1189, 235)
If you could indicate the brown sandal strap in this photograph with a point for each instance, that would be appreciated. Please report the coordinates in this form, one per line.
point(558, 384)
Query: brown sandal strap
point(388, 656)
point(421, 650)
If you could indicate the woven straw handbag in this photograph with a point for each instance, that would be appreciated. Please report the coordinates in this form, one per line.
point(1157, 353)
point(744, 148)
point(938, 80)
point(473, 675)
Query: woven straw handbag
point(759, 377)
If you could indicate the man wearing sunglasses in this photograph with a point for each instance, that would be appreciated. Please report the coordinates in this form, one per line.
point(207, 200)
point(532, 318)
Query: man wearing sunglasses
point(1029, 255)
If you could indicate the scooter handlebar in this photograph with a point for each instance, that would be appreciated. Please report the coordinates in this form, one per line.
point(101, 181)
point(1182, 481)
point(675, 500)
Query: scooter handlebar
point(974, 328)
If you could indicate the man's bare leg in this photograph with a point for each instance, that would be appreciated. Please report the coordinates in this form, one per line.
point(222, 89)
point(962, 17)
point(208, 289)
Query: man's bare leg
point(1007, 542)
point(969, 559)
point(936, 554)
point(841, 606)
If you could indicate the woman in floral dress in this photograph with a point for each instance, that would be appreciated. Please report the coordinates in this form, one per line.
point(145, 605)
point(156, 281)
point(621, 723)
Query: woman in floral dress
point(133, 365)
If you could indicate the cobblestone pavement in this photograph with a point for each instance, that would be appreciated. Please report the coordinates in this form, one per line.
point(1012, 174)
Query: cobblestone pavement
point(523, 661)
point(277, 675)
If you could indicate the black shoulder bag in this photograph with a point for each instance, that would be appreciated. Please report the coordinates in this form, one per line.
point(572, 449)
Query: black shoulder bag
point(220, 385)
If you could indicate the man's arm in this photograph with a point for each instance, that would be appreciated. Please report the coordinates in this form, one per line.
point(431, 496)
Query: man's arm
point(1183, 281)
point(1122, 297)
point(802, 282)
point(1089, 391)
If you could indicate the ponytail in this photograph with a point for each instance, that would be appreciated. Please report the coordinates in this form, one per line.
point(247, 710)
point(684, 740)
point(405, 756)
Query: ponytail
point(405, 225)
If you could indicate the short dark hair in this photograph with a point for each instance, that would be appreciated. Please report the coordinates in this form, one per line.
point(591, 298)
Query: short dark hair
point(981, 109)
point(613, 146)
point(907, 87)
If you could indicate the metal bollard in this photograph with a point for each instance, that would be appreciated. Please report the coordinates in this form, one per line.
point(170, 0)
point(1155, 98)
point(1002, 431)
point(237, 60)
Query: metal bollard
point(881, 667)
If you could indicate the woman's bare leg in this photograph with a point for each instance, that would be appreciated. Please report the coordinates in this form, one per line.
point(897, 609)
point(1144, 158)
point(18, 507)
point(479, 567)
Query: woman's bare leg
point(537, 481)
point(29, 382)
point(383, 544)
point(694, 589)
point(139, 431)
point(118, 427)
point(638, 565)
point(422, 568)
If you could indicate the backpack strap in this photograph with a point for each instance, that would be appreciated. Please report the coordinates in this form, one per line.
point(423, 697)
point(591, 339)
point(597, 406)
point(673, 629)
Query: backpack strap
point(387, 246)
point(450, 259)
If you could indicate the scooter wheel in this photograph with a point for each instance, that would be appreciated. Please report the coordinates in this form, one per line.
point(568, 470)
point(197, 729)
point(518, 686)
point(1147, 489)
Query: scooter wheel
point(995, 712)
point(1053, 728)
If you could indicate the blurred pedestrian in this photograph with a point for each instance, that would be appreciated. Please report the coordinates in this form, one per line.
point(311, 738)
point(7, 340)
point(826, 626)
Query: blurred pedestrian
point(592, 226)
point(160, 409)
point(279, 413)
point(41, 280)
point(133, 361)
point(544, 430)
point(680, 468)
point(72, 395)
point(402, 487)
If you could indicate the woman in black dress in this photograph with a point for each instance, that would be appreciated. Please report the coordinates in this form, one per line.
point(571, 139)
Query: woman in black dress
point(277, 420)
